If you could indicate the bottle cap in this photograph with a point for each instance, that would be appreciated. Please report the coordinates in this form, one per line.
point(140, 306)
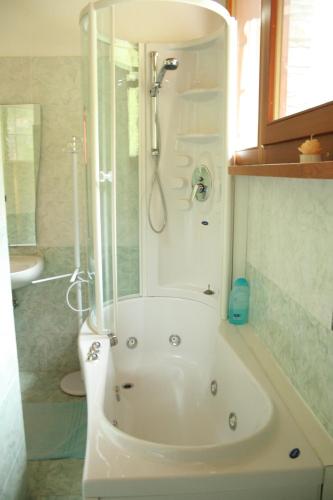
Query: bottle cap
point(241, 282)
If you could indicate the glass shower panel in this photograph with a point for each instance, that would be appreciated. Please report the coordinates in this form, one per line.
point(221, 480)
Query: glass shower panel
point(104, 122)
point(105, 111)
point(118, 122)
point(127, 159)
point(88, 169)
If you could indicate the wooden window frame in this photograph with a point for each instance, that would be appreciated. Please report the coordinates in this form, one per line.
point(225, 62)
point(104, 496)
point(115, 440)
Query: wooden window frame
point(279, 139)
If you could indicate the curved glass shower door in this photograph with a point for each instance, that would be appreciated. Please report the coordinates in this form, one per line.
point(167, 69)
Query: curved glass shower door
point(133, 181)
point(113, 176)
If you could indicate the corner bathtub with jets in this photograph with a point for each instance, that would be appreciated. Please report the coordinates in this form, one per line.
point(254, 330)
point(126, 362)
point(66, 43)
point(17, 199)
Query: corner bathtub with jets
point(181, 409)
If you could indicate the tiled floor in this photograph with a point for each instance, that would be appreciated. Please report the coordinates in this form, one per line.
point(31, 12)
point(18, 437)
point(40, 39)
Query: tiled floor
point(50, 479)
point(42, 387)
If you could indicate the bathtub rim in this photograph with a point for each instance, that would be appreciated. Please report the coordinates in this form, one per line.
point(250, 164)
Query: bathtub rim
point(165, 451)
point(92, 328)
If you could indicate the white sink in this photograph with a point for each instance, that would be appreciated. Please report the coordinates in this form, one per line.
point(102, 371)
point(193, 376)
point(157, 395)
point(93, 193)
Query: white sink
point(24, 269)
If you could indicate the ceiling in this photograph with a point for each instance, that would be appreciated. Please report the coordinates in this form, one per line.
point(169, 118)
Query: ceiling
point(40, 27)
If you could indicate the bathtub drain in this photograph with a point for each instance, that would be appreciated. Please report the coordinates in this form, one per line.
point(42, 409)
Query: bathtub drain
point(128, 385)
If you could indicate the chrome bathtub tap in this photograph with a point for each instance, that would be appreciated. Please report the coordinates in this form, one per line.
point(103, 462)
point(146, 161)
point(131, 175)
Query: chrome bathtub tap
point(93, 351)
point(92, 356)
point(113, 339)
point(95, 346)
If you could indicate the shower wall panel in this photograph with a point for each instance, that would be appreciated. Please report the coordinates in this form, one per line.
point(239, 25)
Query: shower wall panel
point(186, 257)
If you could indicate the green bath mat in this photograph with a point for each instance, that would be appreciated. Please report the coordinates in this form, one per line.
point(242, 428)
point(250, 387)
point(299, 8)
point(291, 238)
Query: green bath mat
point(55, 430)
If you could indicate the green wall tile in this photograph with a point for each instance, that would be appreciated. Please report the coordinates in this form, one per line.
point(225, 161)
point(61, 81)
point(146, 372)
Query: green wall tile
point(301, 345)
point(290, 268)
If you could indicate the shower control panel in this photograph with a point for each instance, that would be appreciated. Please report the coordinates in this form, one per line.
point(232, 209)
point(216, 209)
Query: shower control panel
point(201, 184)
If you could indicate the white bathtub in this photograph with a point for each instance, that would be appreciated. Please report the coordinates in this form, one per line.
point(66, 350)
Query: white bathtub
point(156, 430)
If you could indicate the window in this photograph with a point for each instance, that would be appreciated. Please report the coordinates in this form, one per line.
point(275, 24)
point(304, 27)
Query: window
point(296, 78)
point(248, 16)
point(303, 77)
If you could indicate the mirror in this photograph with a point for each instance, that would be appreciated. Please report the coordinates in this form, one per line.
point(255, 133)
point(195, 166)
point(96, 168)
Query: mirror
point(20, 132)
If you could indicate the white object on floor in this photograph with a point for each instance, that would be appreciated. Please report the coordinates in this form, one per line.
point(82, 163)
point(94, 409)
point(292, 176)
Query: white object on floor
point(73, 384)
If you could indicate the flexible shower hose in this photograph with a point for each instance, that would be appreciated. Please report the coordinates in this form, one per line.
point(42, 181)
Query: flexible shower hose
point(157, 180)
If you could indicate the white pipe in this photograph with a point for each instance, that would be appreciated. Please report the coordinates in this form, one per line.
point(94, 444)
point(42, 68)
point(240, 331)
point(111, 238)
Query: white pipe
point(52, 278)
point(95, 170)
point(76, 216)
point(113, 113)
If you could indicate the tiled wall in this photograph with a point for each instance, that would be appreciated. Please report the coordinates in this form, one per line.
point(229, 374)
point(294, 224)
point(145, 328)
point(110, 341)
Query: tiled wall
point(290, 268)
point(46, 329)
point(13, 454)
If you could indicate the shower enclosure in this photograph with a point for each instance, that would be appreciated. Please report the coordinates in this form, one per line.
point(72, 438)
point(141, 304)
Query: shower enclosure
point(157, 91)
point(177, 408)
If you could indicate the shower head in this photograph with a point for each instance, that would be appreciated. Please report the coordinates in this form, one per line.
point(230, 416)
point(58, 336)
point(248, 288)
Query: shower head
point(170, 64)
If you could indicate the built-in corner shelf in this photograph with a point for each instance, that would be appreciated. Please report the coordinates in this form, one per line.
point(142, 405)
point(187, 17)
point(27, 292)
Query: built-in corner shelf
point(198, 138)
point(320, 170)
point(200, 94)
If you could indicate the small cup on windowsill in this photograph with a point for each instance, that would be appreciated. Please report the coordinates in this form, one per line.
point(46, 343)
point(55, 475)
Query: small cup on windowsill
point(310, 151)
point(309, 158)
